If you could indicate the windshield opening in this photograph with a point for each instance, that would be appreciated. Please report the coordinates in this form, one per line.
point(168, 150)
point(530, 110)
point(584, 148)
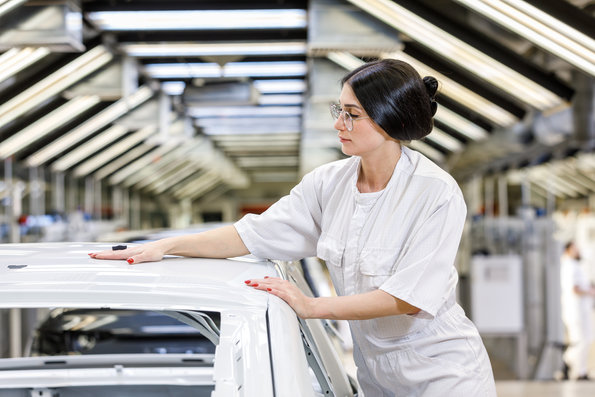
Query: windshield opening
point(68, 331)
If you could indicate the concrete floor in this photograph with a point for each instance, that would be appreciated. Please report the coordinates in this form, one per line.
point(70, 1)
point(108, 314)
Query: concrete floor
point(515, 388)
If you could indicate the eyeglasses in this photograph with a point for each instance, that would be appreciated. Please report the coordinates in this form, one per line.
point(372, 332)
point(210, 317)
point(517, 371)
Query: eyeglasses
point(348, 118)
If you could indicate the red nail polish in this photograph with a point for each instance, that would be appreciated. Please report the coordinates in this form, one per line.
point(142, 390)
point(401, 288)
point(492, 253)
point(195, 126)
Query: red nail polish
point(266, 276)
point(130, 260)
point(247, 281)
point(255, 285)
point(268, 289)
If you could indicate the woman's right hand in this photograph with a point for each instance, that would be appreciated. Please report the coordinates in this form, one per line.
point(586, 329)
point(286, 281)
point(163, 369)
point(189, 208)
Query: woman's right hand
point(148, 252)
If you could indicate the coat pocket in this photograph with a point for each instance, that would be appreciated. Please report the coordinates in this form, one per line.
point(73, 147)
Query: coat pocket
point(330, 250)
point(376, 265)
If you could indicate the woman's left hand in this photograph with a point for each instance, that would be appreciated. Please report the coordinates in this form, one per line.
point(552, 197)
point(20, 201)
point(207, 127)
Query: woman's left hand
point(287, 291)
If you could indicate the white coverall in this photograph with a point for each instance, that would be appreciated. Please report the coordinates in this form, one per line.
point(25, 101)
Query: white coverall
point(576, 314)
point(402, 240)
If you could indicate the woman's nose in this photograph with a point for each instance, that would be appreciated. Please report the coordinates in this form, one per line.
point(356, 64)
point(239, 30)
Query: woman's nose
point(339, 123)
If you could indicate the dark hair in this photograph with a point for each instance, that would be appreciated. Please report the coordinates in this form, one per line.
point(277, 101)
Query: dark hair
point(395, 96)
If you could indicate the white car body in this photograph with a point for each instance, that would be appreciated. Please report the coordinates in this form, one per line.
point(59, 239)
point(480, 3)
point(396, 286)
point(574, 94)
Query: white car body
point(260, 351)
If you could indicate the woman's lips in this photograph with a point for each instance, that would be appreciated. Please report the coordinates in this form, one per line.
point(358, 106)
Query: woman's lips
point(343, 140)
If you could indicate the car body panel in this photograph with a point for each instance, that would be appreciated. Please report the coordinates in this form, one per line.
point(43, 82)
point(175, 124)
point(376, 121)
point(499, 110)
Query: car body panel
point(261, 347)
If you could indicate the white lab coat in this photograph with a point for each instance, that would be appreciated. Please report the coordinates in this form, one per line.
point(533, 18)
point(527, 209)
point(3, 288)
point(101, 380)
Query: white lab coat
point(402, 240)
point(576, 314)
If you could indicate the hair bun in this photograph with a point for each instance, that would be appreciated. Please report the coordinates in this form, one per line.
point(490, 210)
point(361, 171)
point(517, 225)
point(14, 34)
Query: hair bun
point(431, 87)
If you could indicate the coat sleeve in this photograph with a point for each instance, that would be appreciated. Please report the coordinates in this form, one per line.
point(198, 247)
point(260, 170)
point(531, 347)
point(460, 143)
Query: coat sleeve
point(287, 230)
point(424, 274)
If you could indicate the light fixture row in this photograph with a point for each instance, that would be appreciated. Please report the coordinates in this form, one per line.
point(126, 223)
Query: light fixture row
point(460, 53)
point(541, 29)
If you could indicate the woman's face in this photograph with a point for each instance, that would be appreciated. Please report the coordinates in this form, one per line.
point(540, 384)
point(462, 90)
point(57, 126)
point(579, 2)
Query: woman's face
point(366, 137)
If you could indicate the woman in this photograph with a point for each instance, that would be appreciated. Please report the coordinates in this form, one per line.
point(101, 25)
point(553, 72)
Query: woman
point(388, 222)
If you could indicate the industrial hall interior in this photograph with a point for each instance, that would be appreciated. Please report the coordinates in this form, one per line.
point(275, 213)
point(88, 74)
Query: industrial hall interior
point(126, 124)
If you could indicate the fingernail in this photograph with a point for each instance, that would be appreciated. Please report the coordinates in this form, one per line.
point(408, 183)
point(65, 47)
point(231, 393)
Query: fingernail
point(130, 260)
point(254, 285)
point(247, 281)
point(266, 276)
point(268, 289)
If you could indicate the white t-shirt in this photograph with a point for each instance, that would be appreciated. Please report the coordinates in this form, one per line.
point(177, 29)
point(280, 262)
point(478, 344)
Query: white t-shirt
point(402, 239)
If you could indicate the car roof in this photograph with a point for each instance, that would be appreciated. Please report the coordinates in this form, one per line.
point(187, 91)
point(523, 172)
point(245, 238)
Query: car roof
point(62, 274)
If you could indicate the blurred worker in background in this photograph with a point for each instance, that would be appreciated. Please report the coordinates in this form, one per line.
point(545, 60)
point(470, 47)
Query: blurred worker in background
point(577, 306)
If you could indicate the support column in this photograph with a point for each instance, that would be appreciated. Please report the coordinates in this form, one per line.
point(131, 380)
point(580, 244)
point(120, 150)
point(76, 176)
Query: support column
point(58, 196)
point(89, 195)
point(117, 202)
point(97, 200)
point(503, 196)
point(135, 221)
point(14, 323)
point(12, 202)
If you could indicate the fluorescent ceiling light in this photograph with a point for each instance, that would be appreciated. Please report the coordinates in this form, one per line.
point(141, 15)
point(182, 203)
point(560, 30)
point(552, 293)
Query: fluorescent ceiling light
point(345, 60)
point(524, 20)
point(276, 176)
point(54, 84)
point(547, 186)
point(427, 150)
point(167, 181)
point(256, 137)
point(282, 68)
point(549, 179)
point(175, 49)
point(585, 162)
point(554, 23)
point(460, 53)
point(90, 147)
point(199, 19)
point(143, 163)
point(249, 123)
point(267, 161)
point(281, 99)
point(198, 186)
point(231, 69)
point(568, 169)
point(173, 87)
point(183, 70)
point(251, 129)
point(15, 60)
point(95, 123)
point(260, 145)
point(281, 86)
point(460, 124)
point(114, 151)
point(447, 87)
point(8, 5)
point(168, 165)
point(190, 169)
point(121, 161)
point(446, 141)
point(46, 124)
point(244, 111)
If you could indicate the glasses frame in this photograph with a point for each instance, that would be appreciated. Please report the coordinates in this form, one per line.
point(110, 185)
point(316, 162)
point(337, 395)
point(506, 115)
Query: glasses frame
point(336, 112)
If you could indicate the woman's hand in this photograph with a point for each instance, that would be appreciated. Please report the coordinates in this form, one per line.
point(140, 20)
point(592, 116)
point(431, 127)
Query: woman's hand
point(149, 252)
point(287, 291)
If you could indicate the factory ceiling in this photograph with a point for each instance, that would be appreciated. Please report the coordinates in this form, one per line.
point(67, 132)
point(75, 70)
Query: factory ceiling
point(180, 98)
